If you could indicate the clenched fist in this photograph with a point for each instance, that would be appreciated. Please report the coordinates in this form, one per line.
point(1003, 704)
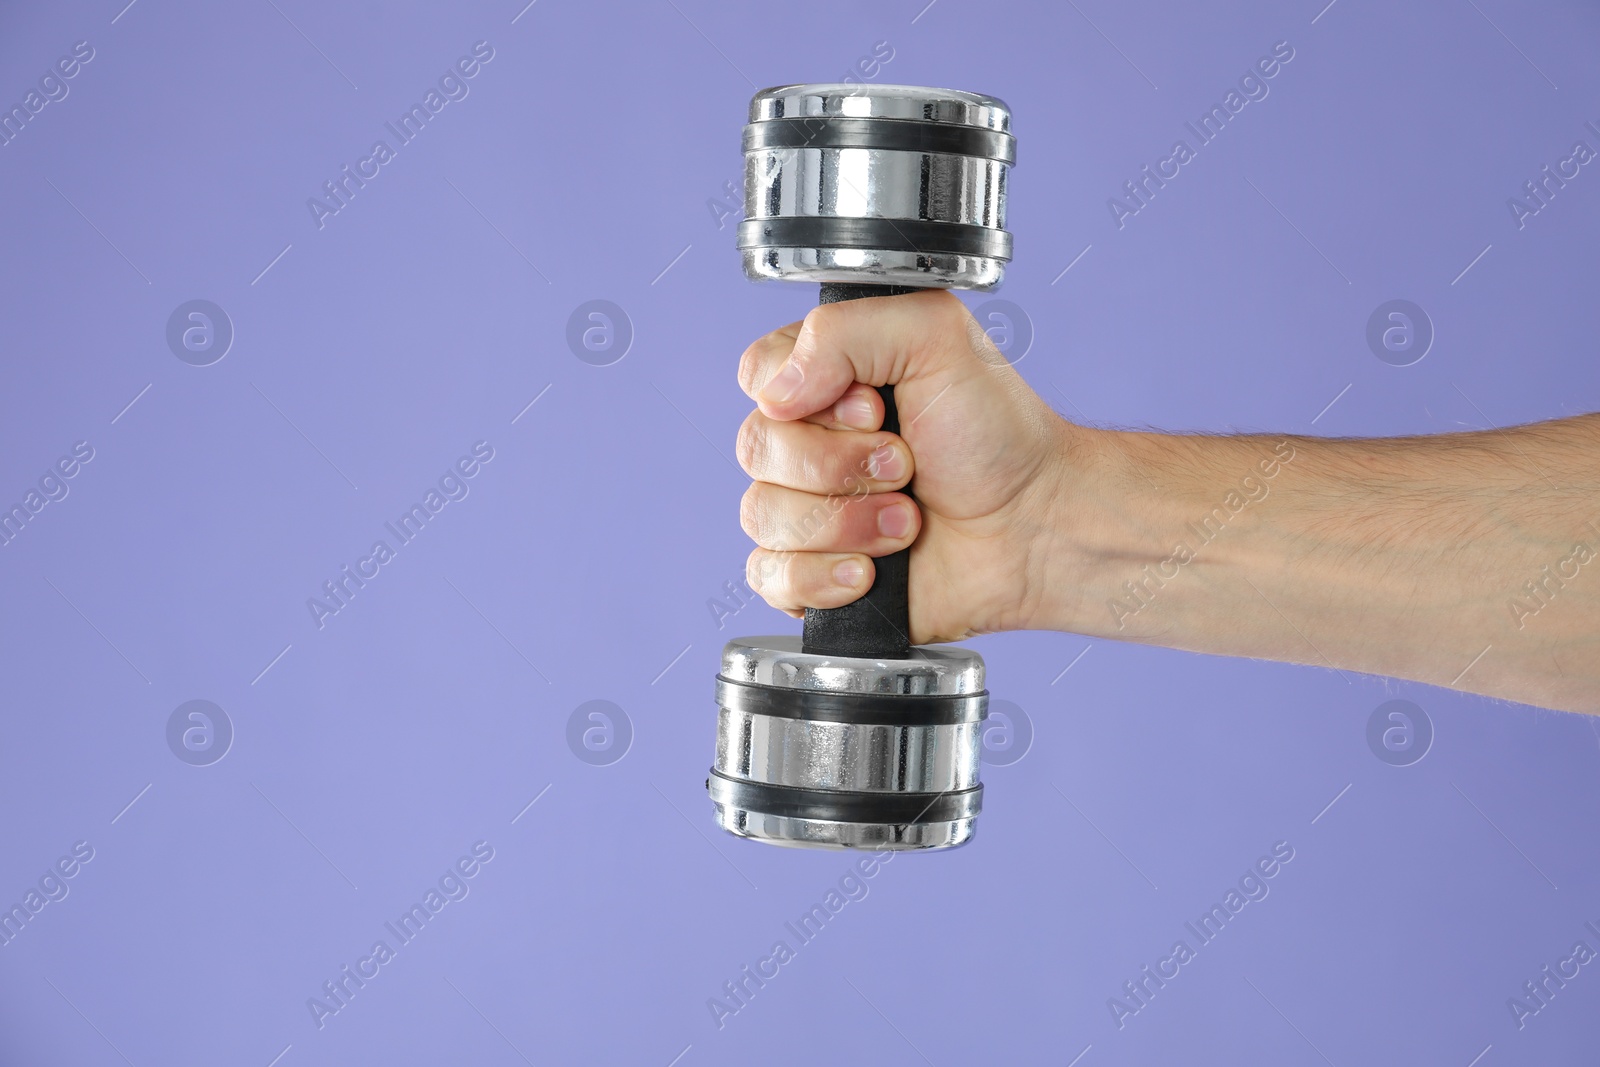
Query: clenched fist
point(976, 446)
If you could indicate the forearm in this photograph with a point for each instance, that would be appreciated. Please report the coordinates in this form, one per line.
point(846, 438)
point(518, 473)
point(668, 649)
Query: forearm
point(1467, 560)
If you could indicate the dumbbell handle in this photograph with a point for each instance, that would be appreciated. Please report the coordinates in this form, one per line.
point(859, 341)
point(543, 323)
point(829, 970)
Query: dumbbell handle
point(878, 626)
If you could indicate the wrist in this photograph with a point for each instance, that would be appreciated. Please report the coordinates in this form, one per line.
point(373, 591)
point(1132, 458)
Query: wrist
point(1147, 527)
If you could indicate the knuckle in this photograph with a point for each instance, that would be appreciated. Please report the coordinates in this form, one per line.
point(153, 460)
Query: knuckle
point(750, 447)
point(747, 368)
point(756, 357)
point(758, 572)
point(820, 322)
point(768, 573)
point(751, 510)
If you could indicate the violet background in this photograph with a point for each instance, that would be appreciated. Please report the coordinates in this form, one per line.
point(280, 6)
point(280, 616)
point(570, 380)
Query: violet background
point(425, 716)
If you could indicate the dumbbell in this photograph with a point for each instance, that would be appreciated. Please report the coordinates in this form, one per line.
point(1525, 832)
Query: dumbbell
point(849, 736)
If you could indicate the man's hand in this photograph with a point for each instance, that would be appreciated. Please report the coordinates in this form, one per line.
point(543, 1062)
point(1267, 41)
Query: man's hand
point(982, 447)
point(1468, 560)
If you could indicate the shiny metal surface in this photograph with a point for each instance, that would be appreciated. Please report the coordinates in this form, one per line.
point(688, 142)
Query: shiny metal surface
point(935, 161)
point(874, 183)
point(856, 756)
point(877, 183)
point(851, 758)
point(883, 101)
point(878, 267)
point(814, 833)
point(944, 670)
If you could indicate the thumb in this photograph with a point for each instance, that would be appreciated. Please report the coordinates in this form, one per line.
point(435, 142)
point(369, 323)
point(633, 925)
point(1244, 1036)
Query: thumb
point(878, 340)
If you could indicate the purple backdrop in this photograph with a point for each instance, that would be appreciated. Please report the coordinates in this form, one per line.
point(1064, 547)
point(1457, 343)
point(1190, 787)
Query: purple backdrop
point(430, 729)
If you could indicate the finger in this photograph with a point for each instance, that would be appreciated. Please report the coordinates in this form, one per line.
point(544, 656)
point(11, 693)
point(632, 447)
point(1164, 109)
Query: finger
point(764, 356)
point(877, 341)
point(787, 520)
point(794, 581)
point(805, 456)
point(860, 408)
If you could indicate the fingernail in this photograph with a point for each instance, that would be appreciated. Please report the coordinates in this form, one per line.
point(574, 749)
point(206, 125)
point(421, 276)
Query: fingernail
point(848, 573)
point(854, 411)
point(895, 521)
point(784, 385)
point(886, 464)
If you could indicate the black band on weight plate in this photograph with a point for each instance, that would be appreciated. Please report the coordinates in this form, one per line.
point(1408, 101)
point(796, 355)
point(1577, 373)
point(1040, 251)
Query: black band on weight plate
point(903, 135)
point(888, 235)
point(901, 809)
point(864, 709)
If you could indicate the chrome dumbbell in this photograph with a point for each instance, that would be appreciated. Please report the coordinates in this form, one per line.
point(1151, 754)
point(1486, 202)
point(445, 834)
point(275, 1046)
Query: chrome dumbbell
point(850, 736)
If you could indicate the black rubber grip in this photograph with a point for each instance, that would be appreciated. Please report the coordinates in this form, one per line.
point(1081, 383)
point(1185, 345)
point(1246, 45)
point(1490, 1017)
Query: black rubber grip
point(878, 626)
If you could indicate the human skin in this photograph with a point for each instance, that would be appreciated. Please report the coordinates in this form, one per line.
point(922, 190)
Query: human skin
point(1465, 560)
